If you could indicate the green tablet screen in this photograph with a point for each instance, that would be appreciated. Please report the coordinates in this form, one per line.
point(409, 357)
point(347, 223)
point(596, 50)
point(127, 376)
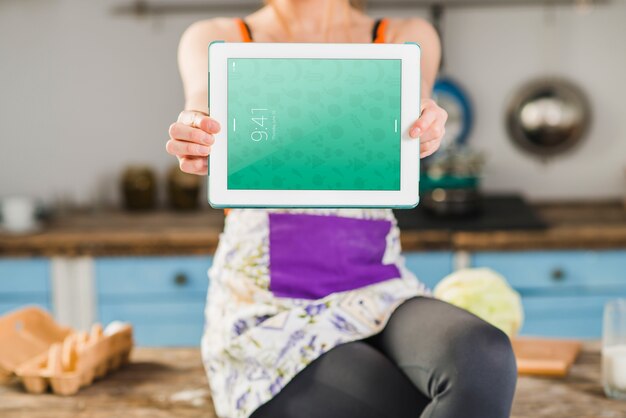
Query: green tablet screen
point(314, 124)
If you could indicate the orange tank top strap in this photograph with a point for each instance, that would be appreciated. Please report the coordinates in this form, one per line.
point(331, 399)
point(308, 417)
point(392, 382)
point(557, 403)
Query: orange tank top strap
point(380, 31)
point(244, 29)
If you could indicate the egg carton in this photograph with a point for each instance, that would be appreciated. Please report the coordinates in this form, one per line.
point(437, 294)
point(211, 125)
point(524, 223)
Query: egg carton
point(43, 354)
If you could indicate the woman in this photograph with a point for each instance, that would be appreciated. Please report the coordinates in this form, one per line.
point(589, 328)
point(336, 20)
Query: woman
point(371, 344)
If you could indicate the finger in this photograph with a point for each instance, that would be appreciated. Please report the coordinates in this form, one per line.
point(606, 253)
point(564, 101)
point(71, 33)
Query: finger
point(193, 165)
point(178, 148)
point(208, 125)
point(198, 120)
point(429, 148)
point(183, 132)
point(428, 116)
point(433, 133)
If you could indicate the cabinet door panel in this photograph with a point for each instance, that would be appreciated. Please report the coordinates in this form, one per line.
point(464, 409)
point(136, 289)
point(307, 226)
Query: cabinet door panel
point(429, 267)
point(160, 324)
point(24, 275)
point(154, 313)
point(562, 272)
point(151, 275)
point(24, 281)
point(162, 297)
point(566, 316)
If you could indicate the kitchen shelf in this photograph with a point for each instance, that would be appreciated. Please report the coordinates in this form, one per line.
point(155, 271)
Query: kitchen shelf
point(155, 7)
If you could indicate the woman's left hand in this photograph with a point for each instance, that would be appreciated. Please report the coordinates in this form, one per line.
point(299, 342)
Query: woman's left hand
point(430, 127)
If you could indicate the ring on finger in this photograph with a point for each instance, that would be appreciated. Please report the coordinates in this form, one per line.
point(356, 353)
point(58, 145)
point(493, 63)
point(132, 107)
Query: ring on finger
point(186, 117)
point(191, 118)
point(197, 120)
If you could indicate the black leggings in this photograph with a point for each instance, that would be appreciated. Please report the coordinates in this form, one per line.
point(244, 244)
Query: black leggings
point(432, 360)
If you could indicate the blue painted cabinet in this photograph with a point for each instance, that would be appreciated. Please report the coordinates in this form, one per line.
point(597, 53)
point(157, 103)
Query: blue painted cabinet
point(24, 281)
point(563, 292)
point(429, 267)
point(163, 297)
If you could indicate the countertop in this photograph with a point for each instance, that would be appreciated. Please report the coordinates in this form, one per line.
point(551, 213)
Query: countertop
point(573, 225)
point(161, 383)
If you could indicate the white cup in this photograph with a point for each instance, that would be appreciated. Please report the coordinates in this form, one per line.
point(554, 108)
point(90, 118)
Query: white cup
point(614, 349)
point(18, 214)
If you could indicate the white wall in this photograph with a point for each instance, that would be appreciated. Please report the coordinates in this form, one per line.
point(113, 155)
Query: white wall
point(84, 93)
point(493, 51)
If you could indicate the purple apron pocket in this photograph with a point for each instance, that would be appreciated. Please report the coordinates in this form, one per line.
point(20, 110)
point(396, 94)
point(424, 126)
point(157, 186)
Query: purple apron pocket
point(312, 256)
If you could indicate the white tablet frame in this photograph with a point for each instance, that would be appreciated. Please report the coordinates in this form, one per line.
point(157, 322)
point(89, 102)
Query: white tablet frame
point(219, 196)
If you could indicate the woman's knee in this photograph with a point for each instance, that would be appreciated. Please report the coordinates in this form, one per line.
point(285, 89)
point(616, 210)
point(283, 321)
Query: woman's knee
point(465, 340)
point(439, 345)
point(482, 358)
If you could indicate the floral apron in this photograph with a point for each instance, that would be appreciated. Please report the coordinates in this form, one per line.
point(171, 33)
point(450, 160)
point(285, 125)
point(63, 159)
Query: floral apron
point(288, 285)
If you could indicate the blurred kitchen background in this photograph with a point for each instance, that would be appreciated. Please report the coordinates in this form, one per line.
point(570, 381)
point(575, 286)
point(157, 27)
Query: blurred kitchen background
point(530, 181)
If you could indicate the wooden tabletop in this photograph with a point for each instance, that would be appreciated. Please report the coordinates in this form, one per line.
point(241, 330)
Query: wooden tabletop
point(121, 233)
point(575, 225)
point(163, 383)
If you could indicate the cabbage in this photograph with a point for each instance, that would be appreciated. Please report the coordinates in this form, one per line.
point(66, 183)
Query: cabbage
point(486, 294)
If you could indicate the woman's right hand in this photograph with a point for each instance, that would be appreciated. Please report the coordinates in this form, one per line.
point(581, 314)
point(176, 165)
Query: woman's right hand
point(191, 137)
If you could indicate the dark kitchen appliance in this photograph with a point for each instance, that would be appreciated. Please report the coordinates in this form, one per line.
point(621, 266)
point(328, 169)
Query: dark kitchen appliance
point(498, 212)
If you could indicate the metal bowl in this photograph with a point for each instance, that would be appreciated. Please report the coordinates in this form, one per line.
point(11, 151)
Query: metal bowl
point(548, 116)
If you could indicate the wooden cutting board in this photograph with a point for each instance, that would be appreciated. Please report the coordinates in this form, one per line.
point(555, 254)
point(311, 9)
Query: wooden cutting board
point(545, 357)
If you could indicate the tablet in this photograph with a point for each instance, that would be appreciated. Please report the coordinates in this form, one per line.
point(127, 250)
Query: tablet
point(314, 125)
